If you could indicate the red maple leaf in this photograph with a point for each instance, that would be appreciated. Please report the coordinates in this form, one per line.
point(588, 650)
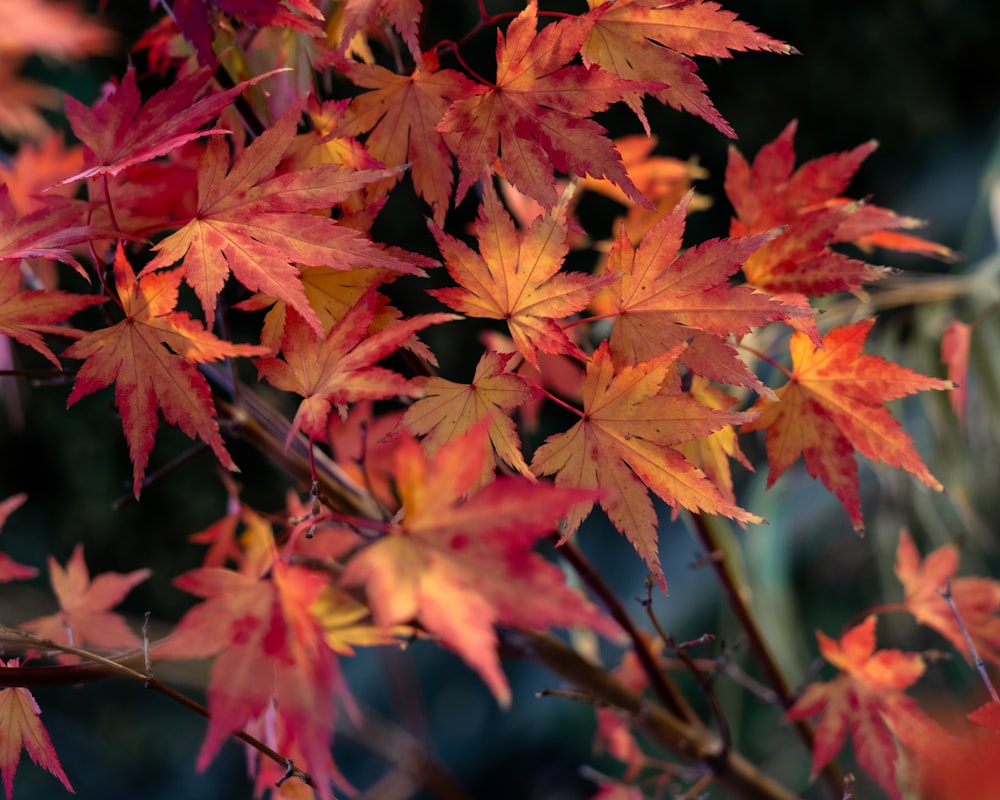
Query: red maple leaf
point(339, 368)
point(536, 115)
point(150, 356)
point(21, 728)
point(45, 232)
point(121, 131)
point(460, 563)
point(866, 699)
point(85, 617)
point(270, 648)
point(832, 405)
point(255, 223)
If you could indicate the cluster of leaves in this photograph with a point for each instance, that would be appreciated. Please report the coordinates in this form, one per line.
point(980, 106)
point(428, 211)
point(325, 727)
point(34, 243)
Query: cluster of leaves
point(432, 531)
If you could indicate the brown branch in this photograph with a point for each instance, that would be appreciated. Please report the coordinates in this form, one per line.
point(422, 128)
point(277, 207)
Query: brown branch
point(758, 645)
point(692, 742)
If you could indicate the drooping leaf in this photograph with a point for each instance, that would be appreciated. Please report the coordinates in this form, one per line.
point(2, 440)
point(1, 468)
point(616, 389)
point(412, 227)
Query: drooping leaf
point(403, 15)
point(150, 356)
point(21, 729)
point(649, 40)
point(832, 406)
point(516, 277)
point(255, 224)
point(977, 599)
point(339, 367)
point(866, 699)
point(85, 618)
point(448, 410)
point(461, 564)
point(537, 114)
point(624, 445)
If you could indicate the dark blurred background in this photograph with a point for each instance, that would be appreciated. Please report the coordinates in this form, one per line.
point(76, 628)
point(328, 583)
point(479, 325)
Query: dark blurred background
point(919, 76)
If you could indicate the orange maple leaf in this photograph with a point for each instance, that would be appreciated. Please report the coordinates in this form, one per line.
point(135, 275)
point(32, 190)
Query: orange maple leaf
point(832, 406)
point(85, 617)
point(866, 698)
point(977, 599)
point(450, 409)
point(665, 298)
point(537, 114)
point(150, 357)
point(254, 223)
point(516, 277)
point(400, 112)
point(10, 570)
point(21, 728)
point(649, 40)
point(461, 564)
point(339, 368)
point(624, 445)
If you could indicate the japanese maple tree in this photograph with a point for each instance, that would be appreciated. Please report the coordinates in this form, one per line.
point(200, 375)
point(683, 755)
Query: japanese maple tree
point(216, 254)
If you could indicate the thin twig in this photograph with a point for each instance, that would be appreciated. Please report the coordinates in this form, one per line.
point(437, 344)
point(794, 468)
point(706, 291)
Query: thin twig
point(977, 660)
point(663, 686)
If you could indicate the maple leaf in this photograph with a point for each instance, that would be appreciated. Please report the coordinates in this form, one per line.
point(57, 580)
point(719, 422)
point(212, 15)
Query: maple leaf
point(338, 368)
point(624, 445)
point(977, 599)
point(10, 570)
point(515, 277)
point(832, 406)
point(120, 131)
point(85, 617)
point(269, 646)
point(448, 410)
point(22, 729)
point(536, 115)
point(665, 298)
point(956, 344)
point(649, 40)
point(255, 224)
point(807, 201)
point(150, 357)
point(45, 233)
point(400, 114)
point(866, 698)
point(403, 15)
point(460, 565)
point(27, 314)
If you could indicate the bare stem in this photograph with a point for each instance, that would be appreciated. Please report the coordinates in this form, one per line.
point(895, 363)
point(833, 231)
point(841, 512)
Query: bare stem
point(977, 659)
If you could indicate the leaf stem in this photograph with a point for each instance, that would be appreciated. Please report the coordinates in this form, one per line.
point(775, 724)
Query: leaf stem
point(977, 659)
point(769, 360)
